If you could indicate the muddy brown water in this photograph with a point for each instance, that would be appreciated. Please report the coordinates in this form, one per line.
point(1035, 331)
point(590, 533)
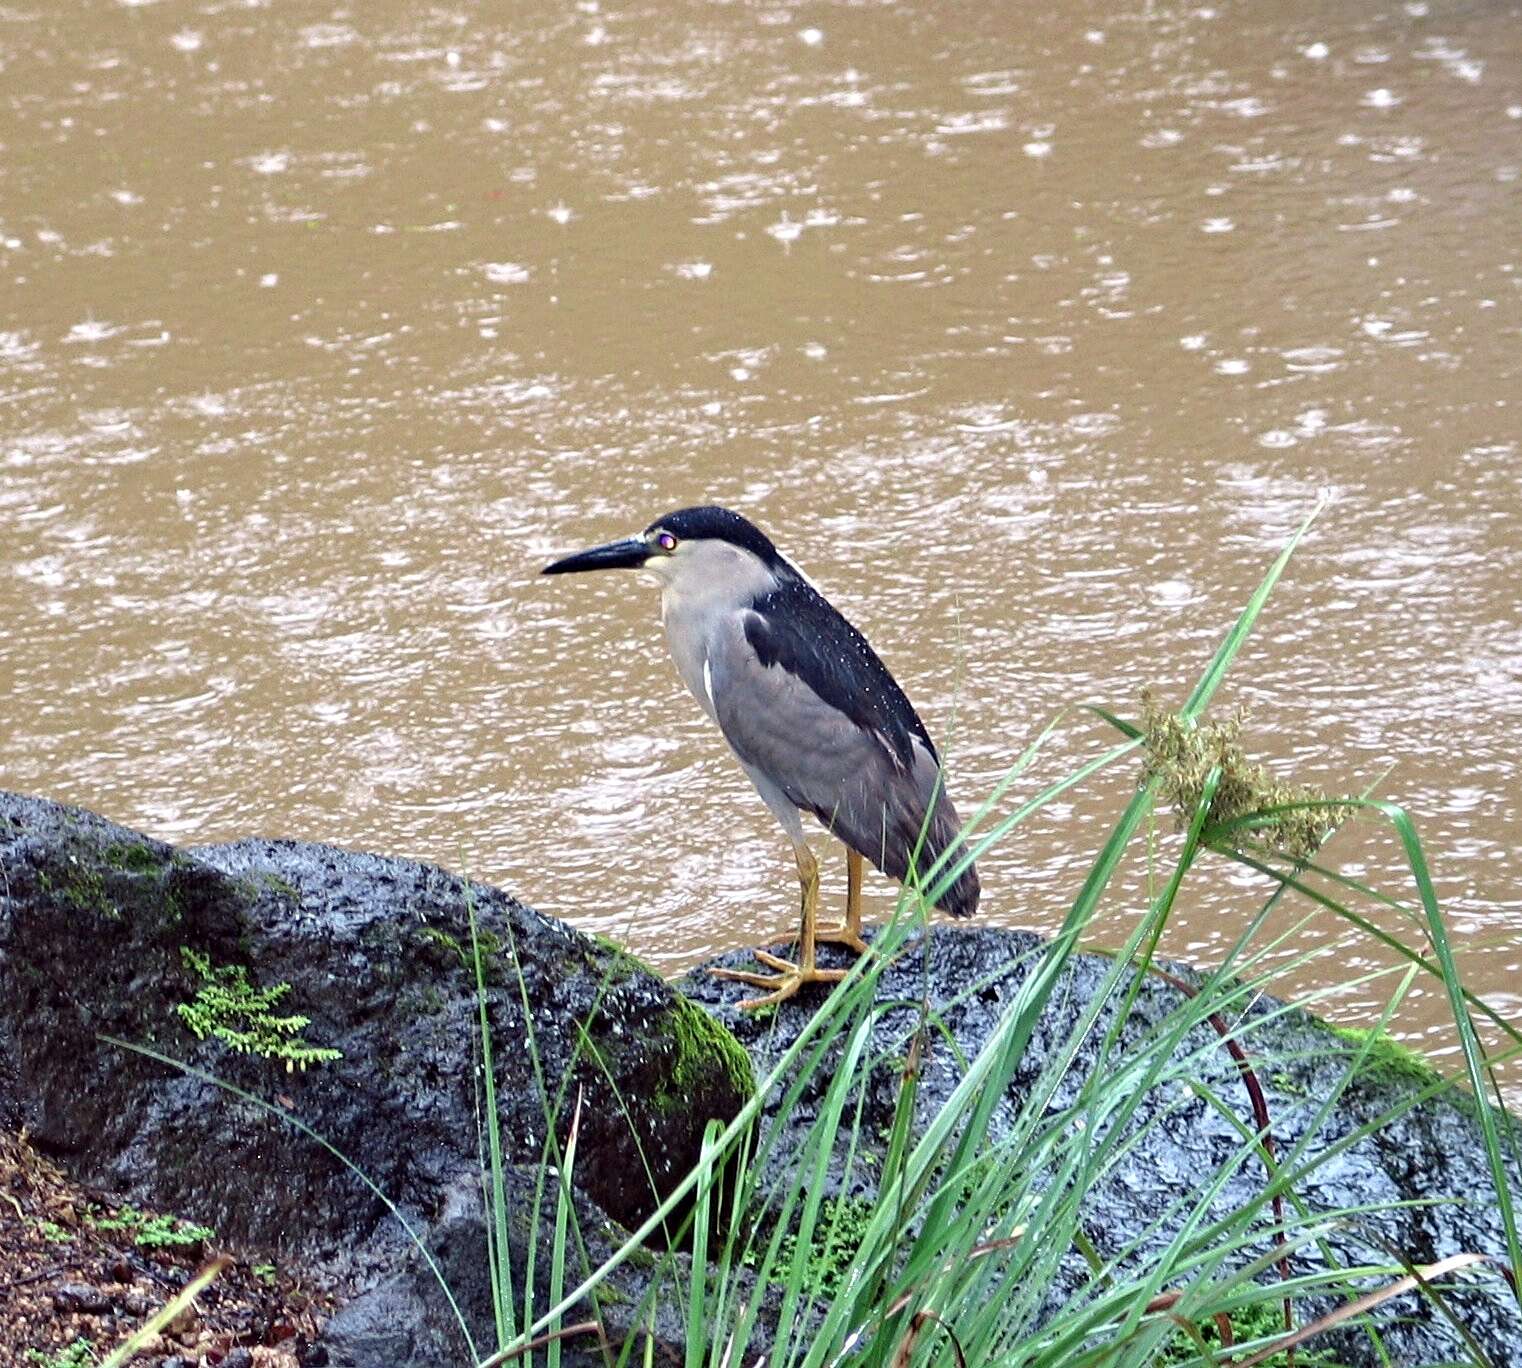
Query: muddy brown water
point(1030, 332)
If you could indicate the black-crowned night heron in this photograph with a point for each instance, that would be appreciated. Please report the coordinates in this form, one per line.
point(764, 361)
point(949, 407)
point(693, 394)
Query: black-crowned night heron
point(813, 715)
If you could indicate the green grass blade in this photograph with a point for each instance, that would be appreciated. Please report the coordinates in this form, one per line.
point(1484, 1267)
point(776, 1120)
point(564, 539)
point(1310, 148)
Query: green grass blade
point(822, 1141)
point(966, 1114)
point(1375, 932)
point(696, 1291)
point(498, 1257)
point(563, 1203)
point(1215, 672)
point(1474, 1054)
point(1475, 1062)
point(150, 1328)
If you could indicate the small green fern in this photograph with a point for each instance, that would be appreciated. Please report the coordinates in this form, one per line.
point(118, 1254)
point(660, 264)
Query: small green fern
point(154, 1232)
point(229, 1008)
point(79, 1354)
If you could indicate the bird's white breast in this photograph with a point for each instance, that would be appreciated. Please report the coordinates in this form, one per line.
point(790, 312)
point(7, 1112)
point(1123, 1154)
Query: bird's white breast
point(705, 588)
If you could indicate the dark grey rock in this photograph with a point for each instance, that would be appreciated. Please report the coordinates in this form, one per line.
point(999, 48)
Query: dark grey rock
point(81, 1297)
point(968, 977)
point(93, 918)
point(406, 1319)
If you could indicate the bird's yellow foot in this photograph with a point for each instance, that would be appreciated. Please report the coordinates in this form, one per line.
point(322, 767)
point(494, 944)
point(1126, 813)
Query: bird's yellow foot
point(788, 979)
point(845, 934)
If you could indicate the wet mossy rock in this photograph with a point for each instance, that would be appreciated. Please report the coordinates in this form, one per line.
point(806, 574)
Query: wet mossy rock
point(1425, 1170)
point(95, 923)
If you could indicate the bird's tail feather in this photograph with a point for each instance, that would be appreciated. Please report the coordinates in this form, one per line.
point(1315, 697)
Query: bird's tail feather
point(945, 839)
point(924, 843)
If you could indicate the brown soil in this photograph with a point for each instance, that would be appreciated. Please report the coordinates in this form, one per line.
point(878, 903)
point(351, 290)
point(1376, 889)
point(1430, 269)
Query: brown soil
point(74, 1267)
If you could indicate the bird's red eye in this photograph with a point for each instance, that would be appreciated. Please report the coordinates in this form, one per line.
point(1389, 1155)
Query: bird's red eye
point(666, 541)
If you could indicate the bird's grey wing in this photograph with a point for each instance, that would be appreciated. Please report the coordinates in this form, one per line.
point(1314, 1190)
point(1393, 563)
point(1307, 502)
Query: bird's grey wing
point(848, 775)
point(792, 625)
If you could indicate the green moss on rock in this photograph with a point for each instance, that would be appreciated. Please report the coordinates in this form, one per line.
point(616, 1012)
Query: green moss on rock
point(1388, 1056)
point(1256, 1321)
point(117, 881)
point(491, 948)
point(702, 1042)
point(84, 889)
point(622, 966)
point(281, 887)
point(134, 857)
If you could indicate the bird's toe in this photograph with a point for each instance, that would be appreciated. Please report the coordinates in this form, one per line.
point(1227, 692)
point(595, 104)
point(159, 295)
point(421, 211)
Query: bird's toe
point(843, 934)
point(783, 984)
point(776, 962)
point(744, 976)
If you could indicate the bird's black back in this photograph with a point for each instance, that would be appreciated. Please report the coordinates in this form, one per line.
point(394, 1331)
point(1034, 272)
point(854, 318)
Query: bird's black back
point(796, 627)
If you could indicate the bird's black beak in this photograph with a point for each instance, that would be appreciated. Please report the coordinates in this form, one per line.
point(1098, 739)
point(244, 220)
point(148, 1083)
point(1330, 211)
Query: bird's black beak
point(628, 554)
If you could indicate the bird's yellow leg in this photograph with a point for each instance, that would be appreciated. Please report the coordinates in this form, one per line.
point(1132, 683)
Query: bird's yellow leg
point(790, 977)
point(849, 932)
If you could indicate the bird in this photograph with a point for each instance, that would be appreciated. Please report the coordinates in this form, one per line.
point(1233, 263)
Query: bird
point(812, 714)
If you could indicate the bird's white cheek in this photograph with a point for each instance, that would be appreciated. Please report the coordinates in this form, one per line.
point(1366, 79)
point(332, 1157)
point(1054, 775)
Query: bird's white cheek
point(651, 575)
point(658, 570)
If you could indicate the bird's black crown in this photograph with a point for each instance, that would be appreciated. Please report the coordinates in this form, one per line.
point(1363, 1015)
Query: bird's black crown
point(717, 524)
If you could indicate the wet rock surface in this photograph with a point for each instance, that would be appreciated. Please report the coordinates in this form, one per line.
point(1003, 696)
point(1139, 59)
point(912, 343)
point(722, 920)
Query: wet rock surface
point(969, 976)
point(95, 925)
point(406, 1318)
point(96, 922)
